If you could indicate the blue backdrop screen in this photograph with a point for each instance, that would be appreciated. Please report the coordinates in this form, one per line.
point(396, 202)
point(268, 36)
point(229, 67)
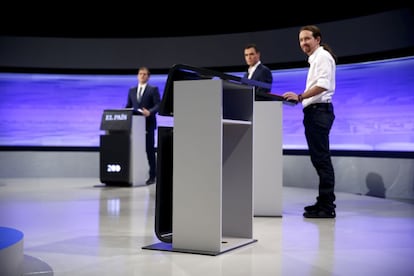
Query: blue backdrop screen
point(374, 106)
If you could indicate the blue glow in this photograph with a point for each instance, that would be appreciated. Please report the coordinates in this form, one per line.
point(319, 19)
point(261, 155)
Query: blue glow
point(374, 106)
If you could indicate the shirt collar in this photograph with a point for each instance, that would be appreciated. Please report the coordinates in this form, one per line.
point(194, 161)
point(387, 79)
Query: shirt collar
point(314, 54)
point(253, 68)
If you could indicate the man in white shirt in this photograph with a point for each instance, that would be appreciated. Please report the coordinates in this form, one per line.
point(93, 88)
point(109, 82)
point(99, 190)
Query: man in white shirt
point(318, 117)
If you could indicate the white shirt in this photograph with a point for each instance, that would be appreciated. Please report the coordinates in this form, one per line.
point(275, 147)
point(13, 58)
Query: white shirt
point(252, 69)
point(321, 73)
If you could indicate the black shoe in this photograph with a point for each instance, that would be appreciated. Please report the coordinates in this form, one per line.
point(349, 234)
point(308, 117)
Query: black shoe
point(150, 181)
point(319, 205)
point(320, 213)
point(312, 208)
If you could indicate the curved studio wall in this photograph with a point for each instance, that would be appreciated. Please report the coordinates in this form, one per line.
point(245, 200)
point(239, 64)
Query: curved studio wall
point(387, 31)
point(379, 33)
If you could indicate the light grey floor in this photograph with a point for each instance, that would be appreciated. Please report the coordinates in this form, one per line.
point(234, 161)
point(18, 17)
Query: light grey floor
point(75, 226)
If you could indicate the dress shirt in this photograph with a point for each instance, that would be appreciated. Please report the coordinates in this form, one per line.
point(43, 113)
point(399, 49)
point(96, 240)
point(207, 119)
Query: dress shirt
point(321, 73)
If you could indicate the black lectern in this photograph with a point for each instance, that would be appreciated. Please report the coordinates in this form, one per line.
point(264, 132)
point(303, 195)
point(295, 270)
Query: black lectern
point(122, 148)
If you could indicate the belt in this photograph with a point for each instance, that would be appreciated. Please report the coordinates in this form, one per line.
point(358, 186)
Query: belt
point(319, 106)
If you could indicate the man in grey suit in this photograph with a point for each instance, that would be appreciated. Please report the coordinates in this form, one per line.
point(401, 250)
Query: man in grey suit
point(145, 100)
point(257, 70)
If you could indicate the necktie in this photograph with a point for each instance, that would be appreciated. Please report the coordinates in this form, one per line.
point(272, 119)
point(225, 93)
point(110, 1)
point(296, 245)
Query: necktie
point(140, 93)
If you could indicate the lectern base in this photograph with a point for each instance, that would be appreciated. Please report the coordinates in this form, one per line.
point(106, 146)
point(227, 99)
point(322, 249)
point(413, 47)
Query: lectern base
point(228, 245)
point(116, 185)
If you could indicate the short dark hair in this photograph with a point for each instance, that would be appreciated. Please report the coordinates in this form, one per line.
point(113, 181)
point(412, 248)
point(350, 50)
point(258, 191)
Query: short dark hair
point(144, 68)
point(252, 45)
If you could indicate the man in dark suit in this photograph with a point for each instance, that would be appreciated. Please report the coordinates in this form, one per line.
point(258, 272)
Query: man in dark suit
point(145, 100)
point(256, 71)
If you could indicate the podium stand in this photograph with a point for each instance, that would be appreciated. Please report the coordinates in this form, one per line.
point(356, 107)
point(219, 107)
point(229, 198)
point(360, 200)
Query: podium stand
point(164, 185)
point(268, 158)
point(212, 167)
point(123, 160)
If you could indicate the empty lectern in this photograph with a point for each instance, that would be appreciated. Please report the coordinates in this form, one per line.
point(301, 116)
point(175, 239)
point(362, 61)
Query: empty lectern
point(122, 159)
point(212, 206)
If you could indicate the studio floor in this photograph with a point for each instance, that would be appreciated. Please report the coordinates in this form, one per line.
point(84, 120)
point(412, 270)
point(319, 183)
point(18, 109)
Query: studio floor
point(77, 226)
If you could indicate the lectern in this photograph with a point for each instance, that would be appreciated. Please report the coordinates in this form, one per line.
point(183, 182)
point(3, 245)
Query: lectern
point(216, 118)
point(268, 158)
point(212, 167)
point(122, 157)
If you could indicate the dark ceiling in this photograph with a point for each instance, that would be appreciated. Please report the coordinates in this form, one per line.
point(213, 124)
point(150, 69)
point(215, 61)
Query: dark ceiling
point(156, 20)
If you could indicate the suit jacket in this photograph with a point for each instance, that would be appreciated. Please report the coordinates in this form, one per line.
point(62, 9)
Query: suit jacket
point(263, 74)
point(150, 100)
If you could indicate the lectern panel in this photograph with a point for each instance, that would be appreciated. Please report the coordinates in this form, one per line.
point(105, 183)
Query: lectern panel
point(114, 159)
point(117, 119)
point(163, 198)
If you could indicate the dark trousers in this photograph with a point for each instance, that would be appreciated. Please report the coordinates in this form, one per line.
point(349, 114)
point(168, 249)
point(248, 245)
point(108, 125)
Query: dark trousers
point(150, 149)
point(318, 120)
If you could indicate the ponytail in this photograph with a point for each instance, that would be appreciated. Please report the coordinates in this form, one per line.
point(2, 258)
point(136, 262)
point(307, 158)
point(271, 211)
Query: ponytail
point(329, 49)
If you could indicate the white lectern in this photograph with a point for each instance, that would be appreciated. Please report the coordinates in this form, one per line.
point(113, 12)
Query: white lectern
point(212, 167)
point(268, 158)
